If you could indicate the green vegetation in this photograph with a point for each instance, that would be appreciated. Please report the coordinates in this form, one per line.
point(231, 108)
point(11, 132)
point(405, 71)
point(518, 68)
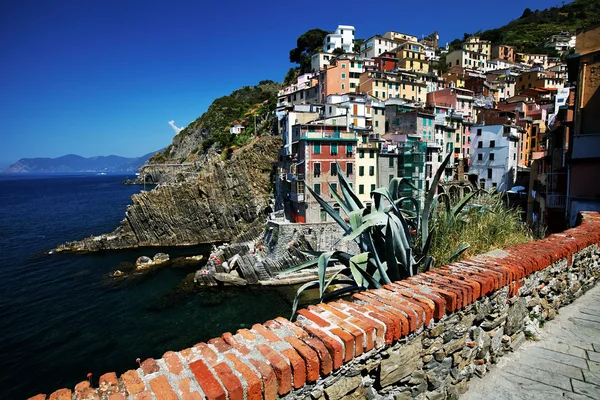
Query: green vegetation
point(527, 33)
point(402, 236)
point(307, 44)
point(243, 105)
point(486, 224)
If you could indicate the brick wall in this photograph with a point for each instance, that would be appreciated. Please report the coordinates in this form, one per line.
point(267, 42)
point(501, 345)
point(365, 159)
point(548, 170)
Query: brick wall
point(425, 336)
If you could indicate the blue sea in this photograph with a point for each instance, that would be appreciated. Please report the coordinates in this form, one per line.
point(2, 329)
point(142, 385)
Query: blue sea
point(61, 317)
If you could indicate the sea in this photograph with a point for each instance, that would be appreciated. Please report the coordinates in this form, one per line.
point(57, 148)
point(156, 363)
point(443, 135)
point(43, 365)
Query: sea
point(62, 316)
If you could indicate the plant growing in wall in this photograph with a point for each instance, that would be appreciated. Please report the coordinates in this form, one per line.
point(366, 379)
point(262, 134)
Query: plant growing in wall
point(394, 236)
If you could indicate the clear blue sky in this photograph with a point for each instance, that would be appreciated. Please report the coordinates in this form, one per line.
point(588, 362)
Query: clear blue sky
point(100, 77)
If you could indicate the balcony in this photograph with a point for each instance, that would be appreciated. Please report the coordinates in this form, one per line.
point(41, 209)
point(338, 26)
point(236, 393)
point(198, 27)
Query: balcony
point(554, 200)
point(370, 145)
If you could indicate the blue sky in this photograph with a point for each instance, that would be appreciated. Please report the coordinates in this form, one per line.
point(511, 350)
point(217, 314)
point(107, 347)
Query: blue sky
point(100, 77)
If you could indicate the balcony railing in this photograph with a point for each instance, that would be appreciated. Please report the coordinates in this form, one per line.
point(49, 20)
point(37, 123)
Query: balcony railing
point(555, 200)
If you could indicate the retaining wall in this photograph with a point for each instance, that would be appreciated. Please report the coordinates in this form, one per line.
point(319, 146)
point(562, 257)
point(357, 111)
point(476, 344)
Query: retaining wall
point(419, 338)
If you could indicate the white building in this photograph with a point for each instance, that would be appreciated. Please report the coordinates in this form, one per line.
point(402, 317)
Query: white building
point(320, 60)
point(467, 59)
point(343, 38)
point(300, 114)
point(494, 155)
point(376, 45)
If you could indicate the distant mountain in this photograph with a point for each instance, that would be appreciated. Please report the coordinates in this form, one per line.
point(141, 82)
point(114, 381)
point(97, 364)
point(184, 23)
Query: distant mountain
point(75, 163)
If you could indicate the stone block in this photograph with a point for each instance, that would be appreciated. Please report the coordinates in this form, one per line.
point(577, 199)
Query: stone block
point(401, 363)
point(340, 388)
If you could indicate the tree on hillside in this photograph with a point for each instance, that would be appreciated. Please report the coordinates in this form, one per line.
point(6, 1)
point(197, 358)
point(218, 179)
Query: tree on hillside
point(306, 45)
point(338, 50)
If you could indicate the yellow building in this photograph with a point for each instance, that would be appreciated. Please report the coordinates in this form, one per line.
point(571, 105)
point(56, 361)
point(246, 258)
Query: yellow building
point(538, 80)
point(476, 45)
point(411, 56)
point(366, 169)
point(383, 86)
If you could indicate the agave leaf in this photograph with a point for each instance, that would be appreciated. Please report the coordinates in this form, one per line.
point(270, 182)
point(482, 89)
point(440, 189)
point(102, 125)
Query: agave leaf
point(396, 183)
point(459, 250)
point(355, 218)
point(390, 253)
point(339, 199)
point(342, 291)
point(462, 203)
point(379, 219)
point(415, 204)
point(401, 242)
point(359, 262)
point(333, 278)
point(330, 211)
point(429, 199)
point(301, 289)
point(323, 262)
point(377, 194)
point(428, 263)
point(380, 268)
point(304, 265)
point(352, 199)
point(425, 250)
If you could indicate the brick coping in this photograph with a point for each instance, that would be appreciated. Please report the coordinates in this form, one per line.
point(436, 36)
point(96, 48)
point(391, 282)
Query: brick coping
point(272, 359)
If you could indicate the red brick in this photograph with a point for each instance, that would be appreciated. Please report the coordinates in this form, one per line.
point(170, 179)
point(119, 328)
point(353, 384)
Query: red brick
point(173, 362)
point(400, 326)
point(377, 338)
point(298, 367)
point(162, 389)
point(108, 381)
point(358, 336)
point(208, 382)
point(282, 370)
point(325, 361)
point(254, 391)
point(297, 330)
point(38, 397)
point(410, 299)
point(188, 355)
point(334, 347)
point(145, 395)
point(486, 282)
point(117, 396)
point(314, 318)
point(61, 394)
point(390, 321)
point(185, 387)
point(464, 280)
point(133, 383)
point(348, 341)
point(233, 342)
point(310, 357)
point(231, 382)
point(206, 352)
point(220, 345)
point(465, 290)
point(149, 366)
point(410, 315)
point(246, 334)
point(268, 377)
point(267, 334)
point(365, 326)
point(452, 295)
point(83, 390)
point(439, 303)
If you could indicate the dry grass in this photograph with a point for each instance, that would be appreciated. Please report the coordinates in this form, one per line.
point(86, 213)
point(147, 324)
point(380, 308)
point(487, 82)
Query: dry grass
point(487, 225)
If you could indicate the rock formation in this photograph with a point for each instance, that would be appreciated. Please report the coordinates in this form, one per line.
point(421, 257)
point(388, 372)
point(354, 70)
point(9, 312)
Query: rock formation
point(222, 202)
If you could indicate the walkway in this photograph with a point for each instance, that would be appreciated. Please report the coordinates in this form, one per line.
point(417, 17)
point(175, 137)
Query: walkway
point(563, 364)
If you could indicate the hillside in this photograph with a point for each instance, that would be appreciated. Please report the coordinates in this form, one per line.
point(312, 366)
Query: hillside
point(75, 163)
point(527, 33)
point(212, 127)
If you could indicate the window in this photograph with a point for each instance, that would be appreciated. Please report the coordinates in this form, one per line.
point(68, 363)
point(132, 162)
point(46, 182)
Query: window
point(391, 162)
point(479, 157)
point(333, 188)
point(317, 169)
point(317, 148)
point(491, 156)
point(317, 188)
point(333, 169)
point(361, 154)
point(489, 175)
point(377, 124)
point(349, 150)
point(494, 184)
point(349, 168)
point(372, 187)
point(533, 143)
point(361, 189)
point(323, 215)
point(480, 145)
point(343, 86)
point(479, 132)
point(492, 143)
point(343, 65)
point(390, 177)
point(343, 77)
point(371, 171)
point(361, 171)
point(371, 154)
point(334, 149)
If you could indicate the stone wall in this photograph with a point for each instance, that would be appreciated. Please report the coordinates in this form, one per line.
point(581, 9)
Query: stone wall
point(423, 337)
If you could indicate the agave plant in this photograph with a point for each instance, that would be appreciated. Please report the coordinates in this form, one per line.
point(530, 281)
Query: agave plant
point(394, 236)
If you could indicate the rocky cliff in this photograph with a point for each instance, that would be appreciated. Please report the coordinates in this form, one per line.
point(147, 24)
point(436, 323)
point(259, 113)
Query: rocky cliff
point(221, 202)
